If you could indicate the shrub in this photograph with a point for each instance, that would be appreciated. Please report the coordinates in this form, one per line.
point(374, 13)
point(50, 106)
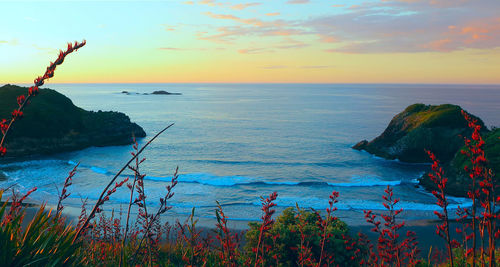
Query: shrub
point(286, 238)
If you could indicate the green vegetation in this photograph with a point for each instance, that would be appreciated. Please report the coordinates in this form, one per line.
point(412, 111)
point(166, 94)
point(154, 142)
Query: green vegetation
point(491, 151)
point(428, 116)
point(52, 124)
point(288, 227)
point(458, 179)
point(51, 114)
point(420, 127)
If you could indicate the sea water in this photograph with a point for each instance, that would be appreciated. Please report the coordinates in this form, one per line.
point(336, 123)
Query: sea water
point(236, 142)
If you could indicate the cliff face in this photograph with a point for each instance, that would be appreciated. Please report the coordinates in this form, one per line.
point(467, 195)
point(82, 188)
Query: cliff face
point(419, 127)
point(53, 124)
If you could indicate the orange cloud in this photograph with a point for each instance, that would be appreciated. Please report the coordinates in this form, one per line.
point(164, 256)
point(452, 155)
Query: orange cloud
point(169, 28)
point(272, 14)
point(475, 33)
point(284, 32)
point(254, 22)
point(221, 38)
point(209, 3)
point(327, 39)
point(243, 6)
point(484, 32)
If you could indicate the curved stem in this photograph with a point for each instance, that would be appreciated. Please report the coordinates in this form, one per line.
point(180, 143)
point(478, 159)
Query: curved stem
point(94, 210)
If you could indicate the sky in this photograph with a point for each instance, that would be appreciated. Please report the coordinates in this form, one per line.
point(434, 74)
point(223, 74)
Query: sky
point(254, 41)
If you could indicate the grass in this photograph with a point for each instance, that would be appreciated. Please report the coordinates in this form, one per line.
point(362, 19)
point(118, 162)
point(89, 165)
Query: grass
point(428, 116)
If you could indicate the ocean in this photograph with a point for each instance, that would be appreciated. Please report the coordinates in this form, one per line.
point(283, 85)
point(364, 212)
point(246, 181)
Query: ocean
point(234, 143)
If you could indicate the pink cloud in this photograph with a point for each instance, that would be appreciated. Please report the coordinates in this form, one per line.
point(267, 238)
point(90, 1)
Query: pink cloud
point(483, 33)
point(435, 3)
point(282, 32)
point(442, 45)
point(397, 26)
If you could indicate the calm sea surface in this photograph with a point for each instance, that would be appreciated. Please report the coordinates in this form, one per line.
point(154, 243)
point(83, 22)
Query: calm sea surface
point(236, 142)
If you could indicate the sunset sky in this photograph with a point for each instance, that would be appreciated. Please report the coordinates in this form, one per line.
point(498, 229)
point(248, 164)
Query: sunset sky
point(289, 41)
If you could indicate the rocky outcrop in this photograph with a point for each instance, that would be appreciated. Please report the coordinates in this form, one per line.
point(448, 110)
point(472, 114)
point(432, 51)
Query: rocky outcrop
point(419, 127)
point(53, 124)
point(161, 92)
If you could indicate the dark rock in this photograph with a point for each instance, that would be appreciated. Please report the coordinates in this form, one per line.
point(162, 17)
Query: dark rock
point(360, 145)
point(53, 124)
point(419, 127)
point(3, 176)
point(161, 92)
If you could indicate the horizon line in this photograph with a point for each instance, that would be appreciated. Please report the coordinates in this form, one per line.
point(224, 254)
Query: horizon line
point(315, 83)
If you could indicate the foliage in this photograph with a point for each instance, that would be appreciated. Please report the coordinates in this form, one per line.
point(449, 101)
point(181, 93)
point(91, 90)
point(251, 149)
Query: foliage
point(46, 241)
point(288, 237)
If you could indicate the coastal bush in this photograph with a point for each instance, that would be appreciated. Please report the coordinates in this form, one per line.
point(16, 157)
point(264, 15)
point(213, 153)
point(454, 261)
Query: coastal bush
point(53, 124)
point(40, 115)
point(293, 225)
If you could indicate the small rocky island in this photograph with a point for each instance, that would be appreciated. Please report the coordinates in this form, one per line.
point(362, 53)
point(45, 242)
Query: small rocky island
point(440, 129)
point(160, 92)
point(53, 124)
